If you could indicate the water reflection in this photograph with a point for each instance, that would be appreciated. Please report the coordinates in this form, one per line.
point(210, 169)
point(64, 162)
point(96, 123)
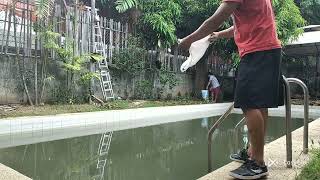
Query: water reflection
point(204, 122)
point(175, 151)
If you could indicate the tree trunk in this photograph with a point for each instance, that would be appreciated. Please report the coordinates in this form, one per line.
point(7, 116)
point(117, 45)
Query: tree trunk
point(201, 77)
point(4, 29)
point(75, 45)
point(317, 76)
point(43, 77)
point(93, 14)
point(9, 27)
point(36, 70)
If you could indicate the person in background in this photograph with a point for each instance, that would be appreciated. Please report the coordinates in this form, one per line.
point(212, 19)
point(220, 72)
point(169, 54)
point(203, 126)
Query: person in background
point(214, 87)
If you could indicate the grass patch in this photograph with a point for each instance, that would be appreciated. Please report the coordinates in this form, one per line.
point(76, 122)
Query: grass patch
point(312, 170)
point(76, 108)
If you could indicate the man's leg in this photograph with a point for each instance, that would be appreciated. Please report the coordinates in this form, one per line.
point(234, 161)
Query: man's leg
point(265, 120)
point(212, 95)
point(217, 94)
point(255, 123)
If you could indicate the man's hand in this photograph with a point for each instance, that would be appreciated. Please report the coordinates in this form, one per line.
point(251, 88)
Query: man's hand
point(214, 36)
point(223, 12)
point(185, 43)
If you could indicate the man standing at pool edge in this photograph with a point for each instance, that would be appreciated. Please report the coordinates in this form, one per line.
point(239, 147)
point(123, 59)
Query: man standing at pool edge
point(258, 77)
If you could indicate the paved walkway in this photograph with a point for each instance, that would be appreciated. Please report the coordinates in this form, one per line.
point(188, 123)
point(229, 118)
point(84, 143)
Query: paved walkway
point(7, 173)
point(275, 155)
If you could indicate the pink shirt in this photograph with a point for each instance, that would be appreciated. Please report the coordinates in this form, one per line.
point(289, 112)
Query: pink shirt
point(255, 28)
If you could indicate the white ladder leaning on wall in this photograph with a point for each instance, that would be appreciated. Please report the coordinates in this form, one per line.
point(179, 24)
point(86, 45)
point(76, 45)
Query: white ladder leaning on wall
point(100, 48)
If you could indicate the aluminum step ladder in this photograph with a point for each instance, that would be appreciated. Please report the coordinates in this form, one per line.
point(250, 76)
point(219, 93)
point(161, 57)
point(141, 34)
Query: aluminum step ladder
point(100, 48)
point(103, 151)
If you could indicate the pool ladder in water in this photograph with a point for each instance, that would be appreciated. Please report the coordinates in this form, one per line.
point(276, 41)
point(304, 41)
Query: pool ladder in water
point(286, 82)
point(103, 151)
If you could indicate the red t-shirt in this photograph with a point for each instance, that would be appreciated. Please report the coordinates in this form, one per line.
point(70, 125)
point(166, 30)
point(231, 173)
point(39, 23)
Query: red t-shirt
point(255, 28)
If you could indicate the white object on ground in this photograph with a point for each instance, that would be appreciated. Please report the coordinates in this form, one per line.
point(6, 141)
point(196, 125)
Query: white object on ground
point(196, 51)
point(205, 94)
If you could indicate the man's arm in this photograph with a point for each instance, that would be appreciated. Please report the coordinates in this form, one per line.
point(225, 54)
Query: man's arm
point(208, 84)
point(223, 12)
point(227, 33)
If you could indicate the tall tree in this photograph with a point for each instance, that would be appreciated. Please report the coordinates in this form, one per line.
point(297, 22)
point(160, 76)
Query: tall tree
point(310, 11)
point(161, 18)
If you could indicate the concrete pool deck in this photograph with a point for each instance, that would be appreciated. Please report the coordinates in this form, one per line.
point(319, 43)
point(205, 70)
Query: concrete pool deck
point(275, 156)
point(30, 130)
point(7, 173)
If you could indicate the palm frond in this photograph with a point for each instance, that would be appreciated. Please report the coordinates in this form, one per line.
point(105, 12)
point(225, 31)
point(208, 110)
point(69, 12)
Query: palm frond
point(44, 8)
point(124, 5)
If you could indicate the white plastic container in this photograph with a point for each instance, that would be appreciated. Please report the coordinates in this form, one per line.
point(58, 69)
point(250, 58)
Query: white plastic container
point(205, 94)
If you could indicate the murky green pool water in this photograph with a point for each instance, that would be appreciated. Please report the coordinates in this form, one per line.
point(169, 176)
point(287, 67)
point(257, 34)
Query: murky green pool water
point(175, 151)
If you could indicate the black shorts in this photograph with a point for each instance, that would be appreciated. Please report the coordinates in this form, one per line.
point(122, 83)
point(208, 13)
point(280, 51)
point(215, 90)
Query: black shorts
point(259, 82)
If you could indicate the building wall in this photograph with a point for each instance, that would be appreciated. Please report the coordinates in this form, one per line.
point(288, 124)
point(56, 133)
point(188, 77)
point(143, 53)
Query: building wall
point(12, 92)
point(10, 88)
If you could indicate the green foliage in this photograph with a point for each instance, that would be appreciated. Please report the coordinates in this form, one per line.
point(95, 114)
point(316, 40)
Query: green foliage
point(124, 5)
point(310, 11)
point(164, 19)
point(70, 62)
point(62, 95)
point(87, 76)
point(289, 20)
point(194, 13)
point(311, 170)
point(168, 78)
point(131, 59)
point(236, 59)
point(44, 8)
point(96, 57)
point(74, 66)
point(143, 89)
point(159, 19)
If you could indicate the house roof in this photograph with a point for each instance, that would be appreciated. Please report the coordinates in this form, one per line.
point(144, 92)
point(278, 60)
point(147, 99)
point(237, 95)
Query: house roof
point(19, 8)
point(306, 44)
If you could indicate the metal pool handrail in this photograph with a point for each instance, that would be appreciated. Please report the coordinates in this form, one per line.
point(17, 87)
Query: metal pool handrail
point(240, 122)
point(211, 131)
point(287, 82)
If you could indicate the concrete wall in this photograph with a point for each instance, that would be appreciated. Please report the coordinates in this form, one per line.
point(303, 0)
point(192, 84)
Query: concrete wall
point(11, 89)
point(127, 87)
point(10, 86)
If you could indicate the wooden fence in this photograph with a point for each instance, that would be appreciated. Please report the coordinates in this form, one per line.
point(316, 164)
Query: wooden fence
point(17, 35)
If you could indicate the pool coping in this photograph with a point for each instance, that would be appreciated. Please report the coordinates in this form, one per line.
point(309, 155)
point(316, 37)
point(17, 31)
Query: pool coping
point(10, 174)
point(275, 154)
point(35, 129)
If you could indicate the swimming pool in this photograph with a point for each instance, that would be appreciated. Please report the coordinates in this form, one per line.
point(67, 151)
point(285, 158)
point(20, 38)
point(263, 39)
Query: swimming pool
point(173, 151)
